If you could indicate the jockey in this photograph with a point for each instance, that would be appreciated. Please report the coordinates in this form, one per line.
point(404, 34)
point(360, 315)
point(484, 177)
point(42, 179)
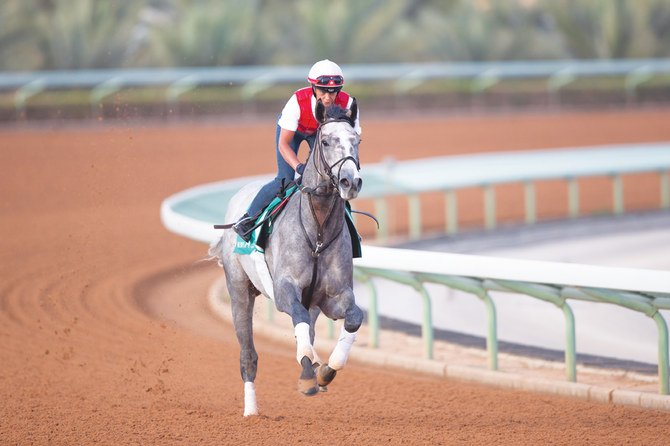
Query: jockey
point(296, 124)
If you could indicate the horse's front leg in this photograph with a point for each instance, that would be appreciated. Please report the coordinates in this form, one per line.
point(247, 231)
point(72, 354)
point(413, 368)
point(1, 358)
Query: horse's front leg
point(287, 300)
point(340, 307)
point(314, 313)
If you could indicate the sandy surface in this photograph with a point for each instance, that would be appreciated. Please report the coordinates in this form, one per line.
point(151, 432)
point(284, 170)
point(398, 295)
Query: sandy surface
point(88, 354)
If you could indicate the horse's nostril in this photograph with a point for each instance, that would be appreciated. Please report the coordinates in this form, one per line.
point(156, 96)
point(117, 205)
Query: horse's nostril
point(359, 183)
point(344, 183)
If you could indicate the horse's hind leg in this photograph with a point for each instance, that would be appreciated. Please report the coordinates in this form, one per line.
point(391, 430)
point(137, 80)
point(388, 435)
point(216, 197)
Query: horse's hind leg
point(342, 307)
point(242, 297)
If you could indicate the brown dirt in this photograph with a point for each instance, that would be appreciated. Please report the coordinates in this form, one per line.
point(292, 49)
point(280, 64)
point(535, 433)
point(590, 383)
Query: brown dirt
point(83, 360)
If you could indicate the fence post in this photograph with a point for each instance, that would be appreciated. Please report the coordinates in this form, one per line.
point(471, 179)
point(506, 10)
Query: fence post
point(644, 306)
point(663, 360)
point(665, 189)
point(373, 311)
point(573, 197)
point(413, 281)
point(558, 80)
point(452, 212)
point(26, 92)
point(427, 323)
point(617, 190)
point(529, 195)
point(570, 343)
point(473, 286)
point(636, 77)
point(553, 295)
point(101, 91)
point(489, 206)
point(414, 216)
point(381, 209)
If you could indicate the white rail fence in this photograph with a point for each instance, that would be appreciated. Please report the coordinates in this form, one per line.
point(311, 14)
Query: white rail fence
point(404, 77)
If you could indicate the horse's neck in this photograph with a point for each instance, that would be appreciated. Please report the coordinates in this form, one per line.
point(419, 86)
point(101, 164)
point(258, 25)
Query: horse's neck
point(327, 208)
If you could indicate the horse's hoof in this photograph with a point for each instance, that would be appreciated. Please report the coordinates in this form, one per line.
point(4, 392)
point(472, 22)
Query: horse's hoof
point(308, 387)
point(307, 381)
point(325, 375)
point(323, 389)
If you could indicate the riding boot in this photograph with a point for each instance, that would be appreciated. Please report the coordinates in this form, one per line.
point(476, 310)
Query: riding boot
point(244, 226)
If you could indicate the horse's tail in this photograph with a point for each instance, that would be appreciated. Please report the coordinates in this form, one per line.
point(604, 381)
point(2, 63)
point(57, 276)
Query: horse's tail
point(215, 250)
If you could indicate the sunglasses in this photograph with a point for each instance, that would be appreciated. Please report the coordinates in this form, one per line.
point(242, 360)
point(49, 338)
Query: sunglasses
point(329, 89)
point(328, 81)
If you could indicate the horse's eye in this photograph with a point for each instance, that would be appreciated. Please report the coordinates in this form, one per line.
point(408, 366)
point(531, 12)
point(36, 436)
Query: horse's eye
point(324, 142)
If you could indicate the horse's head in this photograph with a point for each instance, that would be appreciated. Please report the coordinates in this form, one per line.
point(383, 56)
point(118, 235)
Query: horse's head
point(336, 149)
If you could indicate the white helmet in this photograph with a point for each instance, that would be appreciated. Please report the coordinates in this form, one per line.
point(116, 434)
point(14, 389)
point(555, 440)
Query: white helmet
point(327, 74)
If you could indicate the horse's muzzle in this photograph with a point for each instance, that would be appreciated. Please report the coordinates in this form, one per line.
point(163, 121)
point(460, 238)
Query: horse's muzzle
point(350, 186)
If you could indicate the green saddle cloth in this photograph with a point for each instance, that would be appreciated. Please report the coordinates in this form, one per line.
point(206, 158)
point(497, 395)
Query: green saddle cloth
point(260, 235)
point(244, 247)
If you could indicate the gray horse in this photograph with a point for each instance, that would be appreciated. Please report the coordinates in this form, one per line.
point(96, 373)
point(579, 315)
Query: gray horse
point(307, 267)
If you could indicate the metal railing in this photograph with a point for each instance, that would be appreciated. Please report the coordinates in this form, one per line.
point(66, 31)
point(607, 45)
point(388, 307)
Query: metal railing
point(404, 77)
point(644, 291)
point(191, 213)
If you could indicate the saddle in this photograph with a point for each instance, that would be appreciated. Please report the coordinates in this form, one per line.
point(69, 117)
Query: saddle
point(260, 236)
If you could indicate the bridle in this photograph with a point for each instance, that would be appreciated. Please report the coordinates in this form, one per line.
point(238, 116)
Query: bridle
point(332, 181)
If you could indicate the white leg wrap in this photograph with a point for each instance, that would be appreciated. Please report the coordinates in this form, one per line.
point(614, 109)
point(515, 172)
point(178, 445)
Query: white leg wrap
point(341, 352)
point(250, 407)
point(303, 343)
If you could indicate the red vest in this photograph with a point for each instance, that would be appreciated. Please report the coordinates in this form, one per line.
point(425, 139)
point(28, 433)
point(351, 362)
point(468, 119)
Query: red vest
point(307, 123)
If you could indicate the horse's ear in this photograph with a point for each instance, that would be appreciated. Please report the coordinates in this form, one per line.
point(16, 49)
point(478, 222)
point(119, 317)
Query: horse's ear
point(320, 112)
point(353, 112)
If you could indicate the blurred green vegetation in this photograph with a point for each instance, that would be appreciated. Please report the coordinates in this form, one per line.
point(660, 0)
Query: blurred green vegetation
point(78, 34)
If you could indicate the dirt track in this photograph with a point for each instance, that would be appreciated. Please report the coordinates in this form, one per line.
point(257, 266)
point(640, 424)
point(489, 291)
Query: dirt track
point(83, 360)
